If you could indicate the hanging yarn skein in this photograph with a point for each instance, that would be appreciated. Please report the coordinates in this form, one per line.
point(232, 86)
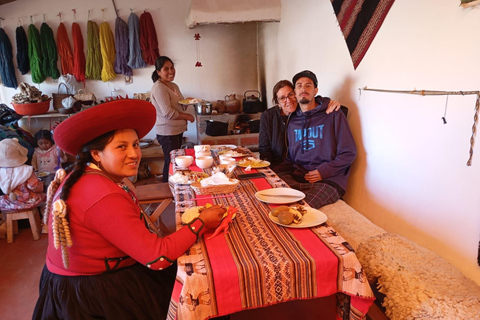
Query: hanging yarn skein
point(121, 48)
point(107, 47)
point(49, 49)
point(22, 50)
point(94, 56)
point(148, 39)
point(7, 70)
point(135, 60)
point(78, 54)
point(35, 54)
point(64, 50)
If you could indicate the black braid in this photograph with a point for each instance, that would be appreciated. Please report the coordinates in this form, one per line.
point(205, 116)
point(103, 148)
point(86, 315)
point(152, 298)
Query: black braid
point(82, 159)
point(80, 164)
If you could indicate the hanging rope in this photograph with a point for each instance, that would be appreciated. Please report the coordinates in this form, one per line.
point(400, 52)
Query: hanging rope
point(474, 130)
point(148, 39)
point(35, 54)
point(94, 57)
point(22, 50)
point(107, 47)
point(121, 48)
point(7, 70)
point(78, 54)
point(438, 93)
point(135, 60)
point(49, 49)
point(64, 50)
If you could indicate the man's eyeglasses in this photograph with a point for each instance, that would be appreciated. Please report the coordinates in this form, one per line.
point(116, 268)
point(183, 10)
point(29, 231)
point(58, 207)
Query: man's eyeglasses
point(290, 96)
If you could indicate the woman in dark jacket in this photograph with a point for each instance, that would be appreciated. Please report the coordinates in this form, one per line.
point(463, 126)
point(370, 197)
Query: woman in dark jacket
point(272, 141)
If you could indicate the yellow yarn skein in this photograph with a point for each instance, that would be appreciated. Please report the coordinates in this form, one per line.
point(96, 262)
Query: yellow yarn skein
point(107, 47)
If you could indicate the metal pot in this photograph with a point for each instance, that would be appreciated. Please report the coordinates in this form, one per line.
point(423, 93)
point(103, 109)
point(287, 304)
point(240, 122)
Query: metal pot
point(216, 128)
point(254, 126)
point(203, 108)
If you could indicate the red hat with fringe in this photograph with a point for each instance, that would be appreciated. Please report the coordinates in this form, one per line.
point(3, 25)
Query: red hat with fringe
point(73, 133)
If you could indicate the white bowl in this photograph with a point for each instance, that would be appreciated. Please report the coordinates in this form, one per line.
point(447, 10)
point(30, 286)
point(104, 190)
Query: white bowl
point(204, 162)
point(202, 154)
point(202, 148)
point(184, 161)
point(224, 156)
point(229, 161)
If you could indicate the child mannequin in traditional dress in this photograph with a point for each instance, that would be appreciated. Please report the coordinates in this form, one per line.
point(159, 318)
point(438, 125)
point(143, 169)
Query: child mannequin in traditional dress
point(47, 157)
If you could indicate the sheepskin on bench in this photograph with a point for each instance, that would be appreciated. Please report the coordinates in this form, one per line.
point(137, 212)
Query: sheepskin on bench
point(351, 224)
point(418, 284)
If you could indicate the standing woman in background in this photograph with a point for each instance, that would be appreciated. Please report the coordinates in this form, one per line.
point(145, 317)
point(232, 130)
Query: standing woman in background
point(171, 120)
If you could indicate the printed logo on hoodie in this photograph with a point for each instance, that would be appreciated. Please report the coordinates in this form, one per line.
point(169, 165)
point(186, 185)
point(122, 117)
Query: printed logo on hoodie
point(307, 136)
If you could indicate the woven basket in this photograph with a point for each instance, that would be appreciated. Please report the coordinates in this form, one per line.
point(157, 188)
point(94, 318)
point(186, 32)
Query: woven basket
point(218, 189)
point(58, 97)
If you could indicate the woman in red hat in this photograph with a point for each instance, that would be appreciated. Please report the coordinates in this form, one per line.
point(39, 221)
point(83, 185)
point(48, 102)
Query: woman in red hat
point(171, 119)
point(102, 260)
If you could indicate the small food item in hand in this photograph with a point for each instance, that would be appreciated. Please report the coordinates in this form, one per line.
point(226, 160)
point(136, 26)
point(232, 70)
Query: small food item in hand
point(277, 210)
point(194, 212)
point(285, 217)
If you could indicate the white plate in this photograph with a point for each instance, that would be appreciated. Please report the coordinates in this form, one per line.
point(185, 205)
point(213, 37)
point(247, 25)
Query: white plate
point(42, 174)
point(312, 218)
point(280, 195)
point(185, 102)
point(262, 164)
point(143, 144)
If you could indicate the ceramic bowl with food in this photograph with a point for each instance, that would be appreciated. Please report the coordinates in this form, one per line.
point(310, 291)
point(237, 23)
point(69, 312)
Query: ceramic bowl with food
point(204, 162)
point(184, 161)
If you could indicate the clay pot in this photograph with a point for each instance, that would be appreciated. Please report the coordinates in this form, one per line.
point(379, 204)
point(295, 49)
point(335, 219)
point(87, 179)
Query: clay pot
point(232, 104)
point(220, 107)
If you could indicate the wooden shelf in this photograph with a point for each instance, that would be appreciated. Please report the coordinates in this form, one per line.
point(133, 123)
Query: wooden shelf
point(51, 115)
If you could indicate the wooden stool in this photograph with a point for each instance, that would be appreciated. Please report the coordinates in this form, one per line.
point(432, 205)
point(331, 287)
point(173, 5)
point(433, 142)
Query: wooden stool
point(154, 193)
point(31, 214)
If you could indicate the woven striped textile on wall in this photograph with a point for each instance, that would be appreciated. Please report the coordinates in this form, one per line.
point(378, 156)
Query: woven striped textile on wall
point(360, 21)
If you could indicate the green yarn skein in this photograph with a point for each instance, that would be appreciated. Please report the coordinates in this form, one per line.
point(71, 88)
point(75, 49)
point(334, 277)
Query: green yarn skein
point(35, 54)
point(49, 49)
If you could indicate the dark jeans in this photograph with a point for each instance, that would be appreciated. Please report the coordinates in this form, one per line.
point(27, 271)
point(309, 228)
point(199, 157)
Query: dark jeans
point(168, 144)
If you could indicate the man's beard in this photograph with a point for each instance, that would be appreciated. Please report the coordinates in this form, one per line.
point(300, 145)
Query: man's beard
point(304, 101)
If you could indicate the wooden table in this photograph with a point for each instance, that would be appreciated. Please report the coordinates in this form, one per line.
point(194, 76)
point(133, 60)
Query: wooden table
point(258, 263)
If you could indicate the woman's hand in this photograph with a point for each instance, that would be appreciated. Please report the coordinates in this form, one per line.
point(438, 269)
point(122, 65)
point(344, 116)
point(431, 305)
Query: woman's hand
point(190, 117)
point(333, 106)
point(212, 216)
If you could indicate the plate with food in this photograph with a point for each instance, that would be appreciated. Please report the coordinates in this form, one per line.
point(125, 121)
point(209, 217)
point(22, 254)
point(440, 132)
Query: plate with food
point(223, 147)
point(186, 177)
point(297, 216)
point(42, 174)
point(253, 163)
point(143, 145)
point(235, 154)
point(187, 102)
point(280, 195)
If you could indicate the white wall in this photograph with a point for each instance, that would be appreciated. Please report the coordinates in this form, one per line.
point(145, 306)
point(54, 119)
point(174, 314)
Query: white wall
point(227, 52)
point(410, 176)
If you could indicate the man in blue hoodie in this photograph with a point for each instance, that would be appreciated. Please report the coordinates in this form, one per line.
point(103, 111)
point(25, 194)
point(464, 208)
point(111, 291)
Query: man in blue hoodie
point(321, 148)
